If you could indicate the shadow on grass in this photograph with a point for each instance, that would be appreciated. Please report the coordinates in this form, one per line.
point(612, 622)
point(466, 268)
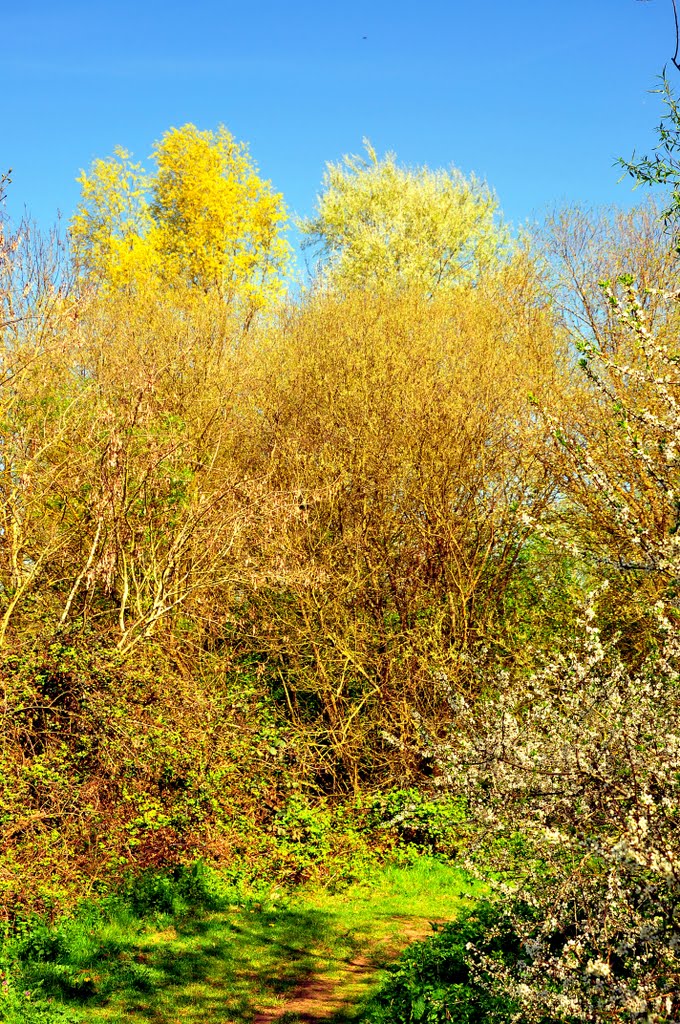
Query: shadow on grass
point(119, 962)
point(216, 967)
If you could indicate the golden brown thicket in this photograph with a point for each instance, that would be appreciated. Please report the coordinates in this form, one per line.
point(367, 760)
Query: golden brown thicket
point(128, 488)
point(35, 305)
point(404, 431)
point(210, 527)
point(164, 491)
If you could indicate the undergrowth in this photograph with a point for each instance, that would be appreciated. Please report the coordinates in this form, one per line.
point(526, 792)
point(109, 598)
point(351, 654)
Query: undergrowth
point(438, 980)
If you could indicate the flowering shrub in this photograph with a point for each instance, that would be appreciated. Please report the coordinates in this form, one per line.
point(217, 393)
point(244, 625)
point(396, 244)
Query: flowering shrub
point(582, 758)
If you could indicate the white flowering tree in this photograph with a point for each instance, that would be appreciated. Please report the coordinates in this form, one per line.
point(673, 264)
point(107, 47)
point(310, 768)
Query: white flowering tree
point(583, 761)
point(583, 758)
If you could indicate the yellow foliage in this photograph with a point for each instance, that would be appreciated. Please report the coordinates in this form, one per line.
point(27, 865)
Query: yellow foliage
point(203, 218)
point(219, 224)
point(112, 230)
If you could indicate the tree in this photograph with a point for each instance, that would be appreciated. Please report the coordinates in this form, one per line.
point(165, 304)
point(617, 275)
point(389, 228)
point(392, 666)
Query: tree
point(663, 167)
point(4, 182)
point(388, 226)
point(112, 230)
point(204, 218)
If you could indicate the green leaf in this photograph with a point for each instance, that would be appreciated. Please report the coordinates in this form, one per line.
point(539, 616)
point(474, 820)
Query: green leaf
point(418, 1008)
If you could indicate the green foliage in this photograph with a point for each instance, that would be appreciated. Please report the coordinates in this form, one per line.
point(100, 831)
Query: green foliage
point(541, 602)
point(303, 835)
point(428, 822)
point(438, 980)
point(26, 1007)
point(184, 890)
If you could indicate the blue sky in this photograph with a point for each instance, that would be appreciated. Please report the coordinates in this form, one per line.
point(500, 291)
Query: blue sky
point(536, 97)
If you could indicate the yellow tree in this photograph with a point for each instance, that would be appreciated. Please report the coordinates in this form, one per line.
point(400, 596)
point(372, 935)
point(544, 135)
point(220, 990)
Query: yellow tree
point(203, 218)
point(112, 230)
point(384, 226)
point(219, 224)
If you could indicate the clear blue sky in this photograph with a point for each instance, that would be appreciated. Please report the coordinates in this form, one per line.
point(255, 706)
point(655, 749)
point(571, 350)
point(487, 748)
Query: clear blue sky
point(536, 96)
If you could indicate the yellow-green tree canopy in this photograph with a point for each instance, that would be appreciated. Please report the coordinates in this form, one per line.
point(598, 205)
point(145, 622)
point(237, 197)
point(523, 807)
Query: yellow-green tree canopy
point(203, 217)
point(383, 226)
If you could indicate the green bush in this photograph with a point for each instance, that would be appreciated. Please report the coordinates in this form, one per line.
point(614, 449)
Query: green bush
point(176, 892)
point(24, 1003)
point(438, 979)
point(430, 823)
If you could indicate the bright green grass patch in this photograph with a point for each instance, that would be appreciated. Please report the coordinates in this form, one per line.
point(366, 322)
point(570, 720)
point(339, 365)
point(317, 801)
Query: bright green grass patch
point(223, 963)
point(426, 891)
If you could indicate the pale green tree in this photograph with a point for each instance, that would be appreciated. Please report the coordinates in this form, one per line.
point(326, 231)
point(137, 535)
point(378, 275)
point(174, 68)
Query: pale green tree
point(384, 226)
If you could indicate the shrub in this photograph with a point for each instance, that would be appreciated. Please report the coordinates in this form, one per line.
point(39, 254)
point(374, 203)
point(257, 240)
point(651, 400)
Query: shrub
point(439, 980)
point(583, 760)
point(431, 822)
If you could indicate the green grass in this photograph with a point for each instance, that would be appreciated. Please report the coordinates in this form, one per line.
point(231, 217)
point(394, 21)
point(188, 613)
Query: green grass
point(224, 964)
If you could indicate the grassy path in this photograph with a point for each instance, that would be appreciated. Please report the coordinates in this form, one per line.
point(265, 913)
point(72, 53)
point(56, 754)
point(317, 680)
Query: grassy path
point(338, 994)
point(317, 958)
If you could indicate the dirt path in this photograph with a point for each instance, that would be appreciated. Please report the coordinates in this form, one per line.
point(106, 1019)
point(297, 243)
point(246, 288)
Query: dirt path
point(320, 997)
